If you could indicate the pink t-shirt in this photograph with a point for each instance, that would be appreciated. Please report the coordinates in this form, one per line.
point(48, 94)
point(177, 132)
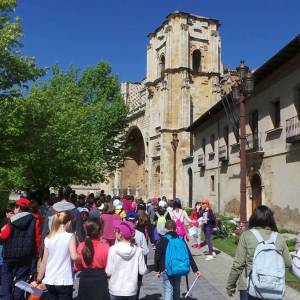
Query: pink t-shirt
point(108, 225)
point(100, 256)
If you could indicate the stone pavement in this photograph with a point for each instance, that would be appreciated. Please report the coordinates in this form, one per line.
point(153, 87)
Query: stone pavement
point(210, 286)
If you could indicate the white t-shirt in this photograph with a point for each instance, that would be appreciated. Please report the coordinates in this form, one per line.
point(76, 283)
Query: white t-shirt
point(58, 267)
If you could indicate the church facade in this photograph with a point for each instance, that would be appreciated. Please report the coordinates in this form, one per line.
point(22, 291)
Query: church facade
point(182, 82)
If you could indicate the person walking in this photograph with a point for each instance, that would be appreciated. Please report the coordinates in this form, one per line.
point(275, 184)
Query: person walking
point(166, 260)
point(125, 262)
point(108, 218)
point(261, 224)
point(180, 216)
point(209, 220)
point(20, 242)
point(59, 250)
point(196, 226)
point(93, 253)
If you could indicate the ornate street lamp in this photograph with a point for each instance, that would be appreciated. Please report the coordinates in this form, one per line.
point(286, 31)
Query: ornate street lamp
point(240, 91)
point(174, 144)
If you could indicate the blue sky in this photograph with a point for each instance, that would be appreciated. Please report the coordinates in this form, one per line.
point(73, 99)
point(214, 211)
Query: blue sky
point(84, 32)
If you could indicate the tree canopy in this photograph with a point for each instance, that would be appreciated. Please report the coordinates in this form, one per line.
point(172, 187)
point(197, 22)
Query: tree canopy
point(70, 129)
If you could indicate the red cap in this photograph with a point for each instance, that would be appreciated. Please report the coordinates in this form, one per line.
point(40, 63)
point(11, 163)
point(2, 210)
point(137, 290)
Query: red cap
point(23, 202)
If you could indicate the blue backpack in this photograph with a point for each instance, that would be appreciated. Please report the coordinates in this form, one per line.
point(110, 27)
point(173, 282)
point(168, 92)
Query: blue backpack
point(177, 260)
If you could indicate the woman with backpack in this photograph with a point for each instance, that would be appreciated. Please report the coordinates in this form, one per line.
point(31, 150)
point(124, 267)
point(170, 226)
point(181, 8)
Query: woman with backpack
point(56, 268)
point(180, 216)
point(160, 218)
point(93, 253)
point(252, 251)
point(209, 220)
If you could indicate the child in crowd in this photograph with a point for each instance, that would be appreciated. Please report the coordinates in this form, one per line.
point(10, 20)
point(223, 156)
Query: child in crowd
point(125, 262)
point(108, 218)
point(141, 242)
point(171, 284)
point(60, 249)
point(93, 255)
point(119, 208)
point(197, 225)
point(209, 224)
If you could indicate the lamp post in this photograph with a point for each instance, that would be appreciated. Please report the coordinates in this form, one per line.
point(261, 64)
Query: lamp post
point(240, 91)
point(174, 144)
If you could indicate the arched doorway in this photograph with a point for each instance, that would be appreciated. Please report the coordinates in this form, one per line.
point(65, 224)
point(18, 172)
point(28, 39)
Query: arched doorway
point(256, 191)
point(133, 173)
point(190, 174)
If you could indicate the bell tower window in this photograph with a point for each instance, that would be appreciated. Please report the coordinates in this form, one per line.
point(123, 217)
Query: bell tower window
point(162, 64)
point(196, 61)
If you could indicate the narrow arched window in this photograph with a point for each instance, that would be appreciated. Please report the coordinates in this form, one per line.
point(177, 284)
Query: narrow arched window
point(162, 65)
point(196, 61)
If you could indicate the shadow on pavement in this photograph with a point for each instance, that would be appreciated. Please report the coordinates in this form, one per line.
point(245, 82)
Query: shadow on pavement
point(151, 297)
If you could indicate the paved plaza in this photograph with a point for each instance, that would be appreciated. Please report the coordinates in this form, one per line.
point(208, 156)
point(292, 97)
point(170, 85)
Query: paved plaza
point(210, 286)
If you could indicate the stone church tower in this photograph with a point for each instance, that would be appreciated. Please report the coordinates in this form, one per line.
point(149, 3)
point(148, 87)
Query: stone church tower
point(183, 71)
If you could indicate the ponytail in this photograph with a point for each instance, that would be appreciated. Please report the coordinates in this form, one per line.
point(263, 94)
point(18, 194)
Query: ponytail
point(88, 251)
point(93, 230)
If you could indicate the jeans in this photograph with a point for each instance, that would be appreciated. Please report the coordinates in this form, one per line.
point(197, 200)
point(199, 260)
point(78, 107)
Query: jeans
point(244, 295)
point(11, 273)
point(60, 292)
point(112, 297)
point(171, 287)
point(208, 233)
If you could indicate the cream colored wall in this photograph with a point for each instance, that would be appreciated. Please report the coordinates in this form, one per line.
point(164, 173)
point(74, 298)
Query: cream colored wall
point(280, 166)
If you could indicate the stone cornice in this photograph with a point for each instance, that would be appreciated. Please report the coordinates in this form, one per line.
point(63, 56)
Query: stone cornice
point(178, 70)
point(169, 130)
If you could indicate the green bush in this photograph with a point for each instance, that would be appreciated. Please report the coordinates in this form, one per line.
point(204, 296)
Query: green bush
point(283, 230)
point(4, 196)
point(291, 244)
point(188, 210)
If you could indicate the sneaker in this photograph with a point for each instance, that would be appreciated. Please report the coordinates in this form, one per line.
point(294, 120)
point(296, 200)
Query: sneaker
point(214, 254)
point(199, 246)
point(194, 245)
point(209, 257)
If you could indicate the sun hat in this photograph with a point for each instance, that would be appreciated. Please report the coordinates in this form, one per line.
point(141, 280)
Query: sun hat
point(63, 206)
point(117, 204)
point(126, 228)
point(23, 202)
point(132, 216)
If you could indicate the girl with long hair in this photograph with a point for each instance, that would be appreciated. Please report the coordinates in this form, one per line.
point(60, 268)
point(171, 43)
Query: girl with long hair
point(56, 268)
point(93, 255)
point(197, 225)
point(125, 262)
point(209, 221)
point(263, 221)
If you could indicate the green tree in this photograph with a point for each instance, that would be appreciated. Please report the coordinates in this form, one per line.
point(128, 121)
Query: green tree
point(15, 71)
point(71, 129)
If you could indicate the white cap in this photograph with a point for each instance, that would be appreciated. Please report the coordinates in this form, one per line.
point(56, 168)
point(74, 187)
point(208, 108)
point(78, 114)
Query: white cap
point(162, 203)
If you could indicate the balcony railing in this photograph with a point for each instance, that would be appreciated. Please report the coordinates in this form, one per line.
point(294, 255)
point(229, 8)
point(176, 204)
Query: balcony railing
point(253, 143)
point(201, 160)
point(293, 129)
point(223, 153)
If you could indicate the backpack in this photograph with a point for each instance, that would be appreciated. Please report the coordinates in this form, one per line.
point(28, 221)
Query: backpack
point(161, 222)
point(180, 228)
point(177, 259)
point(296, 264)
point(267, 278)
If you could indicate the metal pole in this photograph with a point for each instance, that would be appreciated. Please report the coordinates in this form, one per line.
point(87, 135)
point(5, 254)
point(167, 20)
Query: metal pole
point(174, 174)
point(243, 139)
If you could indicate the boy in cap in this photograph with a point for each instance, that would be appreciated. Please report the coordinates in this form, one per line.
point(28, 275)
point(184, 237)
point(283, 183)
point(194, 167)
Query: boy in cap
point(20, 238)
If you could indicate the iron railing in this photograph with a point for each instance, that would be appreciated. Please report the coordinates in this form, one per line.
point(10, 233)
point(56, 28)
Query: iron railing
point(201, 160)
point(253, 143)
point(293, 129)
point(223, 153)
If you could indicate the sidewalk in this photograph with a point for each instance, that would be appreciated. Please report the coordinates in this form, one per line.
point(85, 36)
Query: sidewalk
point(211, 285)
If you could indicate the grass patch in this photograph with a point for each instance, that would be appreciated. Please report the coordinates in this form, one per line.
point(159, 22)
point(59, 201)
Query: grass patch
point(228, 245)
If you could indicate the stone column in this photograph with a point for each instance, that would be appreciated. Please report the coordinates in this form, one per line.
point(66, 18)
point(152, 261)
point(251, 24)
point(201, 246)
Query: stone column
point(184, 46)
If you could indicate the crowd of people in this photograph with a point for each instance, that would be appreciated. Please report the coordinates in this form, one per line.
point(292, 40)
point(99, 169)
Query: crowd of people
point(106, 241)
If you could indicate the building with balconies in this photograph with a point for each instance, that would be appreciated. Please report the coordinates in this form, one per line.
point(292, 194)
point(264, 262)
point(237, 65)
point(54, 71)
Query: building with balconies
point(273, 144)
